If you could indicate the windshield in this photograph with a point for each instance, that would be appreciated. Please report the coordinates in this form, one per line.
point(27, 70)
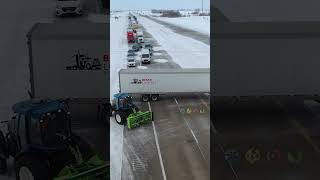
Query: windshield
point(130, 60)
point(53, 127)
point(145, 55)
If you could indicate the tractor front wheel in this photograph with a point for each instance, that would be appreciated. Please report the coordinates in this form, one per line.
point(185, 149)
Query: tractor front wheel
point(31, 168)
point(120, 117)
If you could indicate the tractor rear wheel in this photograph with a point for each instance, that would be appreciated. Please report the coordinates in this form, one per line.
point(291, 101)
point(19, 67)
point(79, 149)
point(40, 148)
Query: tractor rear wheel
point(3, 154)
point(3, 166)
point(30, 167)
point(120, 117)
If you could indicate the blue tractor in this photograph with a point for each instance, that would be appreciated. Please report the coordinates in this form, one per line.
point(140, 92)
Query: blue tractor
point(40, 140)
point(123, 106)
point(126, 112)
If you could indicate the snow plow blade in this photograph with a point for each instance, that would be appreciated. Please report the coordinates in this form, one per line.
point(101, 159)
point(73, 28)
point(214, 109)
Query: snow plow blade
point(93, 169)
point(138, 118)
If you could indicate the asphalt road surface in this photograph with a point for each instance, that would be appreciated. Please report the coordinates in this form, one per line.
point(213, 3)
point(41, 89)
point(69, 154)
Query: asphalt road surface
point(175, 145)
point(266, 139)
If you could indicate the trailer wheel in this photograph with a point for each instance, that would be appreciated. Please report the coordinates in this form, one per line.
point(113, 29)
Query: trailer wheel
point(29, 167)
point(154, 97)
point(145, 97)
point(120, 117)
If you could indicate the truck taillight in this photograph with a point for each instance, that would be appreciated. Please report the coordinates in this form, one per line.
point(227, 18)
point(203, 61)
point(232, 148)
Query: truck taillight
point(106, 57)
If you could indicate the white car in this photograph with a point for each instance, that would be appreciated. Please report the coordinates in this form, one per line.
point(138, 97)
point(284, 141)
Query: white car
point(145, 56)
point(140, 39)
point(64, 7)
point(131, 61)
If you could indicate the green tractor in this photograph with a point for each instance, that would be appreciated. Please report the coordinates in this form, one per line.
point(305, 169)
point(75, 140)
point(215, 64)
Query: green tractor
point(40, 140)
point(125, 112)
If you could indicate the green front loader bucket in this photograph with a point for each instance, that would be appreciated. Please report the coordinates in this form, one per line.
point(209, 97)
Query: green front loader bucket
point(138, 118)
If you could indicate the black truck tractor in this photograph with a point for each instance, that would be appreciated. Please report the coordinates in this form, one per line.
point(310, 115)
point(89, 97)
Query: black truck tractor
point(40, 140)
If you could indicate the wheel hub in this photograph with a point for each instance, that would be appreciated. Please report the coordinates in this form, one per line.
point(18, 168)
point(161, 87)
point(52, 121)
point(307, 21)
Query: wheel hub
point(118, 118)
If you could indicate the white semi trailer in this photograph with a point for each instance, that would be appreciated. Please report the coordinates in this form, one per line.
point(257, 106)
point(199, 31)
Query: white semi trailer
point(71, 61)
point(150, 83)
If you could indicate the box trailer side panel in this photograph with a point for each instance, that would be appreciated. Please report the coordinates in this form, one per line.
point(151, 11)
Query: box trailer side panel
point(68, 69)
point(164, 81)
point(266, 64)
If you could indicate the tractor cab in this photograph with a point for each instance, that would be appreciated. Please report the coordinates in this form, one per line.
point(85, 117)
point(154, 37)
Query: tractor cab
point(125, 111)
point(122, 101)
point(39, 124)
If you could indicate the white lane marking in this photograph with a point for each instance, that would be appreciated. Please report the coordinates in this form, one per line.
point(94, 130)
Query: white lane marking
point(194, 136)
point(158, 147)
point(214, 129)
point(221, 147)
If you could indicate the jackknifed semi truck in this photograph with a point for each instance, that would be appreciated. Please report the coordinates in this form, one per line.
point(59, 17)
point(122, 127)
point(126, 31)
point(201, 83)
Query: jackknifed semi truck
point(150, 84)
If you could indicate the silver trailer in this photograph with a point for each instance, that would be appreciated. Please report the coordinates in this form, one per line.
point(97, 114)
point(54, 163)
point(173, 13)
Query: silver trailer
point(70, 61)
point(266, 59)
point(150, 83)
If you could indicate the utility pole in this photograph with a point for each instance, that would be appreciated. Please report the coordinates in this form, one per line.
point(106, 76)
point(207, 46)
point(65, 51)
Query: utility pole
point(202, 6)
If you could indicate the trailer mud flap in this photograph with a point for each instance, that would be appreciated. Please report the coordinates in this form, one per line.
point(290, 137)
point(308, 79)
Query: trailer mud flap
point(138, 118)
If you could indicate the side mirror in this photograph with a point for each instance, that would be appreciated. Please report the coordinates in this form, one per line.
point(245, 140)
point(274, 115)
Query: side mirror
point(14, 117)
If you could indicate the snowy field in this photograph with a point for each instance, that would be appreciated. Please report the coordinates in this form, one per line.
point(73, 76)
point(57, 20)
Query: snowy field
point(186, 52)
point(197, 23)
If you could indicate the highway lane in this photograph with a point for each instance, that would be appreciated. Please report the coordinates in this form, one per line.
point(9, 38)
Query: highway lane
point(265, 139)
point(183, 141)
point(183, 137)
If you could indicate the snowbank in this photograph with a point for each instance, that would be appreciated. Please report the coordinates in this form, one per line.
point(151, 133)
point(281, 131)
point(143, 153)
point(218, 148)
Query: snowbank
point(118, 49)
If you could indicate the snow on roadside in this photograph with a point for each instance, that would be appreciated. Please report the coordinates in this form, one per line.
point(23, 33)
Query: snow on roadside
point(197, 23)
point(118, 49)
point(186, 52)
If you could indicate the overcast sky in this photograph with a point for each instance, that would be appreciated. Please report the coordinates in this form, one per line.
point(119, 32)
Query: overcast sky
point(158, 4)
point(270, 10)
